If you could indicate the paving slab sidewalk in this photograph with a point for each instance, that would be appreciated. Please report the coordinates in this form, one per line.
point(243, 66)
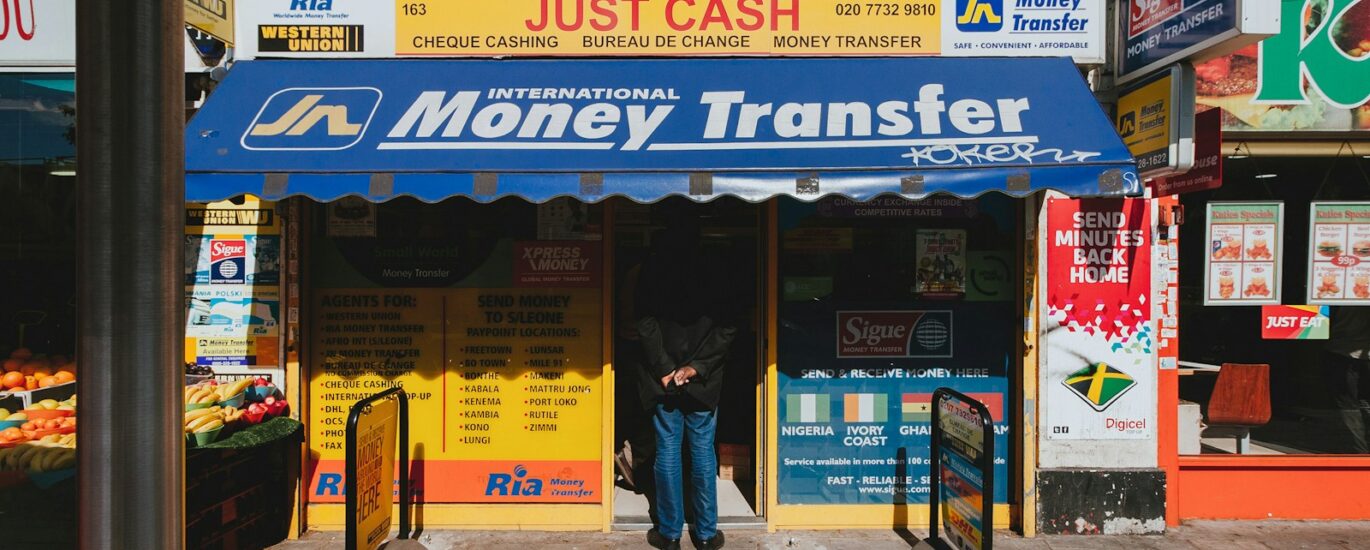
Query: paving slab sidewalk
point(1235, 535)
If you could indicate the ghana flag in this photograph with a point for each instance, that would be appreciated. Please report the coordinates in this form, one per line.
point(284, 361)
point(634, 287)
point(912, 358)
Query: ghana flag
point(1099, 384)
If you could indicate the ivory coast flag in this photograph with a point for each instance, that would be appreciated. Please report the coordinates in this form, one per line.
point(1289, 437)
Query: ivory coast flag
point(917, 407)
point(865, 407)
point(807, 407)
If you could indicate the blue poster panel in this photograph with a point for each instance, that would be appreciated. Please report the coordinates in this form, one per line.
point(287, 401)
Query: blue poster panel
point(862, 347)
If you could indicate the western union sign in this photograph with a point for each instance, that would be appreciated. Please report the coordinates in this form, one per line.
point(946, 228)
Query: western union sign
point(310, 38)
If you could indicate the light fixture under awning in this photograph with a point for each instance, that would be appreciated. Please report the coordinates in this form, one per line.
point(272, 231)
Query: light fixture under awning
point(645, 129)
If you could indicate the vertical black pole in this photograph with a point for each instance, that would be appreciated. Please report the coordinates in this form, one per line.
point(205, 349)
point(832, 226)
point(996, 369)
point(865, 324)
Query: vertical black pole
point(404, 464)
point(130, 104)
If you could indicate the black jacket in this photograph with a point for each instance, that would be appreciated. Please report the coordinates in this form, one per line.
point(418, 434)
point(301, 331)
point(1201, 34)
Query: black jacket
point(668, 345)
point(684, 316)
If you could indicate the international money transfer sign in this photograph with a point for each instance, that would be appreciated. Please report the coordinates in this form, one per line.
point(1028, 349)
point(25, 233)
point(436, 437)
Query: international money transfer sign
point(458, 28)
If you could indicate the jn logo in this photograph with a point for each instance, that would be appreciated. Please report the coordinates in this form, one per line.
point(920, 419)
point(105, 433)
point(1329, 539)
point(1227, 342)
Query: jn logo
point(312, 119)
point(979, 15)
point(1127, 124)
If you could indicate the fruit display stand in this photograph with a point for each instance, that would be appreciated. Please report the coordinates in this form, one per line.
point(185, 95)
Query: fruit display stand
point(242, 463)
point(239, 489)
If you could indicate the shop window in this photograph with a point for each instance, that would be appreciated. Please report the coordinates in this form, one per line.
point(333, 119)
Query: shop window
point(1317, 388)
point(37, 214)
point(490, 316)
point(881, 303)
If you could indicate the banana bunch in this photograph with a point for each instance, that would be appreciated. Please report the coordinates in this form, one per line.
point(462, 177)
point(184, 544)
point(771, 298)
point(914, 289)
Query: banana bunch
point(199, 395)
point(38, 457)
point(67, 440)
point(232, 414)
point(227, 391)
point(204, 420)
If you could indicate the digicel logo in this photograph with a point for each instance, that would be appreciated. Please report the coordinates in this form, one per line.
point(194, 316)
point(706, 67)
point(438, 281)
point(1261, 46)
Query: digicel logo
point(12, 15)
point(221, 250)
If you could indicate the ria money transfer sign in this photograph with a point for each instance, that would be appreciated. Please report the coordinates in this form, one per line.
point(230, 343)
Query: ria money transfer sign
point(1098, 336)
point(465, 28)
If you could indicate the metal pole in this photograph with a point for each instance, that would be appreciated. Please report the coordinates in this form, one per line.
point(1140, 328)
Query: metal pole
point(130, 103)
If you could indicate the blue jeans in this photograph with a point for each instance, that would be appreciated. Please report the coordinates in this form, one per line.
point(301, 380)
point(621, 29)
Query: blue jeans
point(672, 426)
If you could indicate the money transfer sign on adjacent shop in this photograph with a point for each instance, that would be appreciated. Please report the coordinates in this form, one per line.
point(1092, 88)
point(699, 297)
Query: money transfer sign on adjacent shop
point(1098, 337)
point(461, 28)
point(1245, 246)
point(1154, 33)
point(1339, 253)
point(1156, 121)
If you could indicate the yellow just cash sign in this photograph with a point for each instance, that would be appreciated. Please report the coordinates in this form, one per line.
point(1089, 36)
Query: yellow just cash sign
point(666, 27)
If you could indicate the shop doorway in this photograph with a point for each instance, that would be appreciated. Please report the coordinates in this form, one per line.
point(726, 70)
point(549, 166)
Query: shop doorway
point(731, 249)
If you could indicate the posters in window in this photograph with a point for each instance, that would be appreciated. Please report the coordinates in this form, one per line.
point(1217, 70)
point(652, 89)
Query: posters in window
point(941, 263)
point(1242, 265)
point(1098, 337)
point(1339, 253)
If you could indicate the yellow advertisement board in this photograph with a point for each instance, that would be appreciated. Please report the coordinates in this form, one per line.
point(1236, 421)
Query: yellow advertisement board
point(504, 385)
point(1156, 121)
point(667, 27)
point(374, 459)
point(213, 17)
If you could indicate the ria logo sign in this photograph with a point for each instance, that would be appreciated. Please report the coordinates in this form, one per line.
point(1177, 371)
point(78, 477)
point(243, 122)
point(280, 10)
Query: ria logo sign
point(979, 15)
point(312, 119)
point(1099, 384)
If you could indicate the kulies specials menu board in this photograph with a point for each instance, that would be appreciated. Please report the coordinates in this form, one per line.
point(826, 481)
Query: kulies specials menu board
point(1245, 245)
point(1339, 253)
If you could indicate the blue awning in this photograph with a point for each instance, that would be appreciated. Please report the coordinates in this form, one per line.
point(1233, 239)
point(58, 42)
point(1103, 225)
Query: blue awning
point(645, 129)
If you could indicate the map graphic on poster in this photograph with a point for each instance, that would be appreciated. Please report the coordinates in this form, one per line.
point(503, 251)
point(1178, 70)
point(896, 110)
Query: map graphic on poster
point(1098, 337)
point(1245, 247)
point(941, 263)
point(1339, 253)
point(855, 413)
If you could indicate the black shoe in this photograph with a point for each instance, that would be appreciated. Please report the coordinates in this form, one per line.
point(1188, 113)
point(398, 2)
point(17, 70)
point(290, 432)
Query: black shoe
point(709, 544)
point(656, 539)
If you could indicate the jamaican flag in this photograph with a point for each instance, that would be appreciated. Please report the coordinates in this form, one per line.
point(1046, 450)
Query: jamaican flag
point(1099, 384)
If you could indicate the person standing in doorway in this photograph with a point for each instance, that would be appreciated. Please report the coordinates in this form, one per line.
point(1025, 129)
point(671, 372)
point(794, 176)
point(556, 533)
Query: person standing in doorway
point(685, 329)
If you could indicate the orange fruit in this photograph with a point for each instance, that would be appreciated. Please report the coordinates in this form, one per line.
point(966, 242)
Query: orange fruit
point(22, 354)
point(48, 381)
point(28, 368)
point(13, 364)
point(12, 434)
point(29, 426)
point(30, 382)
point(12, 380)
point(64, 376)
